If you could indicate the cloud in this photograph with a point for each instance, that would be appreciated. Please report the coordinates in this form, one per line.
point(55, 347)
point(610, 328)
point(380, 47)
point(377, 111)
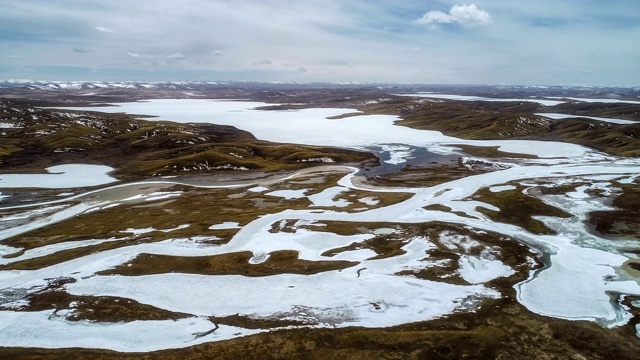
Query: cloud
point(380, 37)
point(262, 62)
point(468, 15)
point(104, 29)
point(176, 56)
point(302, 69)
point(80, 50)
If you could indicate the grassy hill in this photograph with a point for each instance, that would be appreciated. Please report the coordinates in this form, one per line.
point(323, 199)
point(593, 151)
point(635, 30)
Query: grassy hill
point(35, 138)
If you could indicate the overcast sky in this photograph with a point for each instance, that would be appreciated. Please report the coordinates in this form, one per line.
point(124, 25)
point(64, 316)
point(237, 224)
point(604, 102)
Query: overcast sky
point(590, 42)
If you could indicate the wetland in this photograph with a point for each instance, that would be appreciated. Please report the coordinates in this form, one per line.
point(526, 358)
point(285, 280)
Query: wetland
point(422, 227)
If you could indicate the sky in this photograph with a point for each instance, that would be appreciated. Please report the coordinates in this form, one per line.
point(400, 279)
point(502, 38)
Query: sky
point(519, 42)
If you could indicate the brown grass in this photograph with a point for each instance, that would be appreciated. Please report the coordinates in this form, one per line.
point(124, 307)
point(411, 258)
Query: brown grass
point(279, 262)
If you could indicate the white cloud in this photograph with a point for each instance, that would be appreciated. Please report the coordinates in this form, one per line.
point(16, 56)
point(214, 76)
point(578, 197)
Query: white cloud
point(434, 17)
point(330, 37)
point(104, 29)
point(468, 15)
point(176, 56)
point(262, 62)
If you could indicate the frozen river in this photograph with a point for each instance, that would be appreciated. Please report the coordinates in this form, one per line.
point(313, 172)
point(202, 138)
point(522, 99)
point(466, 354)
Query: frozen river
point(582, 269)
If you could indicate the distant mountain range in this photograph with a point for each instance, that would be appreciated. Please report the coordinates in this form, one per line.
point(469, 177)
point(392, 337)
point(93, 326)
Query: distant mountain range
point(199, 85)
point(168, 85)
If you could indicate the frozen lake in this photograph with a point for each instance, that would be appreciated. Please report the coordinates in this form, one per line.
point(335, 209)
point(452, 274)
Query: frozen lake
point(544, 102)
point(312, 127)
point(569, 116)
point(60, 177)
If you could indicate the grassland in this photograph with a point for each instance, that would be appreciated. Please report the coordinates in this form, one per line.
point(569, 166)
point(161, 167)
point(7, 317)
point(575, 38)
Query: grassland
point(624, 221)
point(138, 148)
point(199, 208)
point(481, 120)
point(518, 209)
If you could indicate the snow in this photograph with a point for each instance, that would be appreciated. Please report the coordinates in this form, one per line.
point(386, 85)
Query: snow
point(327, 197)
point(455, 242)
point(138, 231)
point(288, 194)
point(225, 226)
point(501, 188)
point(384, 231)
point(258, 189)
point(477, 270)
point(369, 201)
point(4, 125)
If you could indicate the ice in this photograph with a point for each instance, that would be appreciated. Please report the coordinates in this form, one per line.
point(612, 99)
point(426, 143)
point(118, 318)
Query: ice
point(568, 116)
point(479, 98)
point(52, 249)
point(60, 177)
point(629, 180)
point(398, 153)
point(154, 196)
point(477, 270)
point(573, 287)
point(35, 329)
point(581, 270)
point(611, 101)
point(48, 220)
point(580, 192)
point(288, 194)
point(311, 126)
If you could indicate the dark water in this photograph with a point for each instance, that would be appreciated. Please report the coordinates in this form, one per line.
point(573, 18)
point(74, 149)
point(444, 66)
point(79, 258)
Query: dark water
point(420, 157)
